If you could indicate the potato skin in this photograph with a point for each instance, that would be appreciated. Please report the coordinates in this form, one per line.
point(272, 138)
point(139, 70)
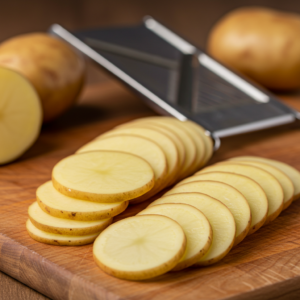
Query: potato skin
point(261, 43)
point(54, 68)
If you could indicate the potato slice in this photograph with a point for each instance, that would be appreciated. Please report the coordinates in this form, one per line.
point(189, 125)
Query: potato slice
point(283, 179)
point(103, 176)
point(252, 191)
point(228, 195)
point(184, 135)
point(48, 223)
point(291, 172)
point(140, 247)
point(195, 225)
point(20, 115)
point(58, 205)
point(58, 239)
point(219, 217)
point(136, 145)
point(209, 147)
point(268, 182)
point(166, 144)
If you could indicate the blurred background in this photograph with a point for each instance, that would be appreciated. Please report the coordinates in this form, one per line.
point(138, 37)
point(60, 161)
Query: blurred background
point(190, 18)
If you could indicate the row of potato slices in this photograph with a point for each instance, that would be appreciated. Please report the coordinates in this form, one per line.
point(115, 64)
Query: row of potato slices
point(236, 197)
point(170, 147)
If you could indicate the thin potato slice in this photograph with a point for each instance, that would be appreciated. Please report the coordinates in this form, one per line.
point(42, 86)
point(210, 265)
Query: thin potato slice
point(195, 225)
point(140, 247)
point(51, 224)
point(103, 176)
point(283, 179)
point(20, 115)
point(252, 191)
point(58, 239)
point(58, 205)
point(219, 217)
point(166, 144)
point(268, 182)
point(228, 195)
point(291, 172)
point(136, 145)
point(182, 133)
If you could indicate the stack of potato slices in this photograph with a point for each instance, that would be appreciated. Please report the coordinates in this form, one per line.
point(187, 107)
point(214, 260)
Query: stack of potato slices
point(216, 209)
point(127, 164)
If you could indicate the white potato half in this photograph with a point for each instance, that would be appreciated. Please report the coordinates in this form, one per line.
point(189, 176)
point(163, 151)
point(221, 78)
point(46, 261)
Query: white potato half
point(228, 195)
point(140, 247)
point(103, 176)
point(283, 179)
point(58, 239)
point(48, 223)
point(219, 217)
point(252, 192)
point(195, 225)
point(267, 181)
point(290, 171)
point(61, 206)
point(20, 115)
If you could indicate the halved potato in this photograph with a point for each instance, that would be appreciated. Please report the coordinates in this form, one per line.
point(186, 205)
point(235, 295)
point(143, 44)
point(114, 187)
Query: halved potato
point(252, 192)
point(138, 146)
point(140, 247)
point(58, 239)
point(166, 144)
point(228, 195)
point(291, 172)
point(268, 182)
point(20, 115)
point(61, 206)
point(48, 223)
point(195, 225)
point(219, 217)
point(283, 179)
point(103, 176)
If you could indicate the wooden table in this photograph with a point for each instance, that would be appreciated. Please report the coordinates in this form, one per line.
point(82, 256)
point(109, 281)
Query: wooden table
point(266, 265)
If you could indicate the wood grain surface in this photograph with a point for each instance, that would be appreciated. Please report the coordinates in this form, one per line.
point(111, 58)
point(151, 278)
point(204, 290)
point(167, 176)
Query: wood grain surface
point(266, 265)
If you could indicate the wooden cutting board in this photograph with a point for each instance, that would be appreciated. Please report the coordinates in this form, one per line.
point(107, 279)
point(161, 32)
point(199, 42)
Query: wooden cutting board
point(266, 265)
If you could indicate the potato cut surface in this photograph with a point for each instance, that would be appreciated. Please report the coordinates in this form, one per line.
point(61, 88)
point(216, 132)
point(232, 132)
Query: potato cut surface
point(103, 176)
point(48, 223)
point(136, 145)
point(228, 195)
point(283, 179)
point(166, 144)
point(268, 182)
point(252, 191)
point(195, 225)
point(62, 206)
point(219, 217)
point(20, 115)
point(291, 172)
point(140, 247)
point(58, 239)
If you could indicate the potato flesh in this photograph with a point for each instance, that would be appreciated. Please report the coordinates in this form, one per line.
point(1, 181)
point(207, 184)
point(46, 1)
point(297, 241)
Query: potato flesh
point(58, 239)
point(61, 206)
point(233, 199)
point(219, 217)
point(252, 191)
point(284, 180)
point(291, 172)
point(140, 247)
point(195, 225)
point(103, 176)
point(20, 115)
point(268, 182)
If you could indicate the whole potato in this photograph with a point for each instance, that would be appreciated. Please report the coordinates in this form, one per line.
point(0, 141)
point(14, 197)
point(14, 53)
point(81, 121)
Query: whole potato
point(53, 67)
point(261, 43)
